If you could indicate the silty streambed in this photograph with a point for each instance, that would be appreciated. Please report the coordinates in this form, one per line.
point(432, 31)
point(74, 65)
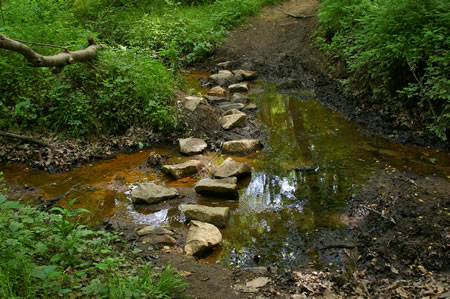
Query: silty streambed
point(283, 216)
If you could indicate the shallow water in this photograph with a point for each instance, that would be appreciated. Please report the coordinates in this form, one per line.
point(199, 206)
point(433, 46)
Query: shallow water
point(282, 214)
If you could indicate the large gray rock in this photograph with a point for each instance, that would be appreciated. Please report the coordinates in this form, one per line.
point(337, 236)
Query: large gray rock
point(154, 230)
point(191, 103)
point(223, 78)
point(182, 170)
point(233, 121)
point(192, 146)
point(240, 98)
point(152, 193)
point(217, 186)
point(217, 91)
point(241, 146)
point(200, 237)
point(242, 75)
point(218, 216)
point(231, 168)
point(228, 106)
point(238, 87)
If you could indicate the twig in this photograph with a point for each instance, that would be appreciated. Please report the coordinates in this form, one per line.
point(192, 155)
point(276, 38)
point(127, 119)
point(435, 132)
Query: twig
point(297, 16)
point(39, 44)
point(24, 138)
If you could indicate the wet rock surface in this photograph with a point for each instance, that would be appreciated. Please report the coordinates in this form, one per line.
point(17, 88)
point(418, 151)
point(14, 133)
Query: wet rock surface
point(230, 168)
point(241, 147)
point(182, 170)
point(151, 193)
point(201, 237)
point(217, 216)
point(217, 186)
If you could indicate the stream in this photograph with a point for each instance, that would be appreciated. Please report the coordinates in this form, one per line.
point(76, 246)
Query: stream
point(283, 215)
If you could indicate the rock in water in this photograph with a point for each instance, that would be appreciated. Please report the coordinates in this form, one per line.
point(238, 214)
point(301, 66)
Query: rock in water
point(182, 170)
point(227, 186)
point(242, 75)
point(192, 146)
point(233, 121)
point(238, 87)
point(152, 193)
point(230, 168)
point(241, 146)
point(223, 78)
point(217, 216)
point(217, 91)
point(201, 237)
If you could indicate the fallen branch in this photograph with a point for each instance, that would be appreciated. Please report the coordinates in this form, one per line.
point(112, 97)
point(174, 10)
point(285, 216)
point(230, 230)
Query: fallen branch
point(57, 61)
point(297, 16)
point(25, 139)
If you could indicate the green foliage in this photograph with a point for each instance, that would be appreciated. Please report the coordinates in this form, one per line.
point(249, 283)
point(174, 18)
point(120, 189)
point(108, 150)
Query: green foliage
point(50, 255)
point(399, 50)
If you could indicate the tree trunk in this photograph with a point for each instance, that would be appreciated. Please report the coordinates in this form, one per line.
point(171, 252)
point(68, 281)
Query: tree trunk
point(57, 61)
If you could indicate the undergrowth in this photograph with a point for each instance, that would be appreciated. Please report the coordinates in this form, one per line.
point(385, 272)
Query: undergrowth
point(133, 80)
point(397, 50)
point(50, 254)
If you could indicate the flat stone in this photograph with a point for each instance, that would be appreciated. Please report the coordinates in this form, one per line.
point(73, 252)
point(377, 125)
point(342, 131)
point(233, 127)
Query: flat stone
point(154, 230)
point(191, 103)
point(251, 107)
point(192, 146)
point(152, 193)
point(217, 216)
point(223, 78)
point(217, 186)
point(243, 75)
point(182, 170)
point(258, 282)
point(233, 121)
point(217, 91)
point(216, 100)
point(232, 111)
point(240, 98)
point(200, 237)
point(224, 65)
point(238, 87)
point(228, 106)
point(159, 240)
point(241, 146)
point(230, 168)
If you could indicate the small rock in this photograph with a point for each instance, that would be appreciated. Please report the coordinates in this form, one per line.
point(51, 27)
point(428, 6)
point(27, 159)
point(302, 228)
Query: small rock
point(191, 103)
point(230, 168)
point(192, 146)
point(200, 237)
point(159, 240)
point(155, 159)
point(258, 282)
point(217, 186)
point(182, 170)
point(238, 87)
point(242, 75)
point(250, 107)
point(241, 146)
point(224, 65)
point(154, 230)
point(232, 111)
point(228, 106)
point(239, 98)
point(217, 216)
point(223, 78)
point(217, 91)
point(152, 193)
point(233, 121)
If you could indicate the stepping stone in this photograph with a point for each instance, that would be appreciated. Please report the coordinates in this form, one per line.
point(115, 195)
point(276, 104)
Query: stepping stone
point(231, 168)
point(201, 237)
point(217, 91)
point(215, 100)
point(217, 216)
point(191, 103)
point(250, 107)
point(152, 193)
point(224, 65)
point(217, 186)
point(233, 121)
point(242, 75)
point(182, 170)
point(238, 87)
point(239, 98)
point(228, 106)
point(154, 230)
point(241, 146)
point(192, 146)
point(223, 78)
point(232, 111)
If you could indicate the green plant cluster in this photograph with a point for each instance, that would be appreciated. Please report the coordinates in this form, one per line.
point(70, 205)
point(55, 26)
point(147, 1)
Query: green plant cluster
point(133, 80)
point(48, 255)
point(398, 50)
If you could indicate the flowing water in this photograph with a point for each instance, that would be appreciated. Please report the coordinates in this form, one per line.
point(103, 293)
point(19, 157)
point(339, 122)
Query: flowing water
point(282, 213)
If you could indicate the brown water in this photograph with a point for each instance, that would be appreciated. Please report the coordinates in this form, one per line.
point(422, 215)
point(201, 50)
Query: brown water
point(281, 213)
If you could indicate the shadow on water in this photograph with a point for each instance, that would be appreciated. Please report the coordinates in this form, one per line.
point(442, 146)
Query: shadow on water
point(312, 165)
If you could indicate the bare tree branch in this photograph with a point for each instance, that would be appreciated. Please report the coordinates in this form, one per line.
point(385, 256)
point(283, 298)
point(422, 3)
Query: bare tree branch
point(24, 139)
point(57, 61)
